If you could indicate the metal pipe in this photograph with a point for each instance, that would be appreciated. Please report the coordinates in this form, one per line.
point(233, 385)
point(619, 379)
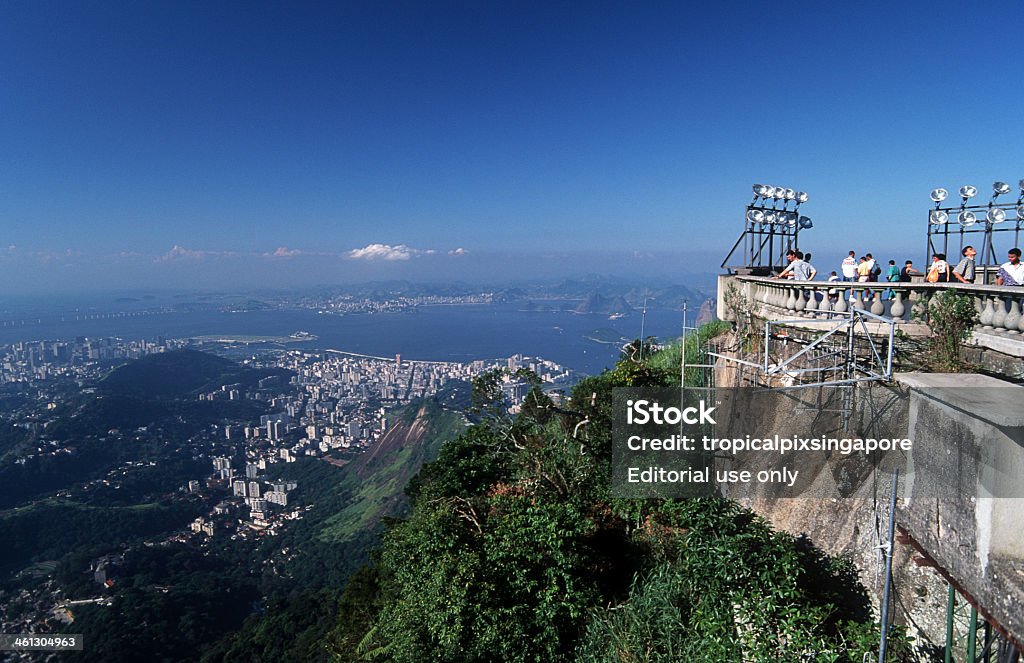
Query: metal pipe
point(950, 603)
point(972, 635)
point(682, 353)
point(888, 567)
point(767, 332)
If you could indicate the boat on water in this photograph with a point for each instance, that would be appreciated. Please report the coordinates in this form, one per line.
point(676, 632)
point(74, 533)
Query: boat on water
point(616, 316)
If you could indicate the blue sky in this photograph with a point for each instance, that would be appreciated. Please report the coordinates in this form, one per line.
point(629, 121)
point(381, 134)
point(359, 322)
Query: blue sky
point(273, 143)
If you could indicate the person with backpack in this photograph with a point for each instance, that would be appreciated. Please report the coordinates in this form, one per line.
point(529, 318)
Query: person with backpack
point(874, 271)
point(939, 270)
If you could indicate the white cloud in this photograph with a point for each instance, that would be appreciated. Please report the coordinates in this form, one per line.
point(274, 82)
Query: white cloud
point(458, 252)
point(384, 252)
point(181, 253)
point(284, 252)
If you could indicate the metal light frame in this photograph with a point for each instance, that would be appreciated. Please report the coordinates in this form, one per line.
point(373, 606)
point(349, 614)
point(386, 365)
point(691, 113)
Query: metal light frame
point(765, 243)
point(988, 257)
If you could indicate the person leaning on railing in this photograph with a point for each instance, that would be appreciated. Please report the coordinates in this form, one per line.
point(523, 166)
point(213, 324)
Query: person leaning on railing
point(908, 272)
point(1011, 272)
point(798, 269)
point(964, 270)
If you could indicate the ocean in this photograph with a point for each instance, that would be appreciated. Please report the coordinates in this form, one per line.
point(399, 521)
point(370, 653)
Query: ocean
point(586, 343)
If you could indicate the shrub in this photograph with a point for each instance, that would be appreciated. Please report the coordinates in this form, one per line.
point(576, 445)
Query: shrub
point(951, 317)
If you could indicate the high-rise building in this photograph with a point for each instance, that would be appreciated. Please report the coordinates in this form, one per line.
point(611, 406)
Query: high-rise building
point(277, 497)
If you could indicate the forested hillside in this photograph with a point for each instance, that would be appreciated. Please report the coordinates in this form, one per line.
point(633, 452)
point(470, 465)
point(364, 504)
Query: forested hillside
point(514, 550)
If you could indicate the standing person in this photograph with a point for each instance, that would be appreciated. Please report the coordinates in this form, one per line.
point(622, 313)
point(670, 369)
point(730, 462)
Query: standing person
point(874, 271)
point(964, 270)
point(863, 270)
point(892, 275)
point(939, 270)
point(811, 271)
point(908, 271)
point(864, 275)
point(787, 273)
point(802, 270)
point(1011, 272)
point(849, 267)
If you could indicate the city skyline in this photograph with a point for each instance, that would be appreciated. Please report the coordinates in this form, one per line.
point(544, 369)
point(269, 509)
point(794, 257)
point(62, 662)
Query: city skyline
point(174, 145)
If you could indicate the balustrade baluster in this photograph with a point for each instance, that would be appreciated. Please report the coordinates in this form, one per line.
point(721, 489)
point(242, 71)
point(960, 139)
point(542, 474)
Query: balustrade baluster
point(1013, 317)
point(811, 310)
point(840, 306)
point(987, 312)
point(897, 308)
point(1000, 314)
point(877, 305)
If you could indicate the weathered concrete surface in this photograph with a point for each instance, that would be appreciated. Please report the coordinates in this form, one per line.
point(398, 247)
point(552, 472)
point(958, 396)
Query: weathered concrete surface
point(976, 396)
point(1011, 346)
point(975, 537)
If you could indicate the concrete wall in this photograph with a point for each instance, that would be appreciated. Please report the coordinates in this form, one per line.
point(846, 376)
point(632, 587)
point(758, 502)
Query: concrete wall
point(975, 532)
point(973, 426)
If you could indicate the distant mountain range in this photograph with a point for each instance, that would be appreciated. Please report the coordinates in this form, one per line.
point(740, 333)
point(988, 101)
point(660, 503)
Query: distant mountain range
point(659, 295)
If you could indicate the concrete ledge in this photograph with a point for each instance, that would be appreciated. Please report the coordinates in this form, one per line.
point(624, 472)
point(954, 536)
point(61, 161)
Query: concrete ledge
point(1004, 343)
point(981, 396)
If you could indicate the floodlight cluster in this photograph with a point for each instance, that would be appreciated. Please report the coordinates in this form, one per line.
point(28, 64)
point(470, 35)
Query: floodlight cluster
point(996, 212)
point(759, 211)
point(767, 192)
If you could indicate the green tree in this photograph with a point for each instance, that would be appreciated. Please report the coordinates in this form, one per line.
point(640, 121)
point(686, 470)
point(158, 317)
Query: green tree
point(951, 317)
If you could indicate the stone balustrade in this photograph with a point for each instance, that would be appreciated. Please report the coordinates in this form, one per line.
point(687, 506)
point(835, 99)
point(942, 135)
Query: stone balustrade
point(999, 307)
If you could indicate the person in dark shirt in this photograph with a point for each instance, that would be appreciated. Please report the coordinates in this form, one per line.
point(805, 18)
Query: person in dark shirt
point(908, 271)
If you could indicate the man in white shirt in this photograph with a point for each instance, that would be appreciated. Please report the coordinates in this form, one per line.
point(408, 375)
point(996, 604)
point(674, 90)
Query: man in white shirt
point(850, 267)
point(1011, 272)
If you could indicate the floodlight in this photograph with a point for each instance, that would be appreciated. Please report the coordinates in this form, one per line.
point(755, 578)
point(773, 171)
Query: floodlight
point(778, 192)
point(1020, 212)
point(968, 191)
point(792, 222)
point(769, 192)
point(790, 194)
point(805, 222)
point(759, 190)
point(937, 217)
point(1021, 185)
point(938, 195)
point(1000, 188)
point(755, 216)
point(995, 215)
point(801, 197)
point(770, 217)
point(967, 218)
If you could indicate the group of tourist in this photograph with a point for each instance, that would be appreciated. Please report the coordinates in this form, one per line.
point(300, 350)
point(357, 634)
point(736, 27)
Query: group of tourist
point(867, 269)
point(1010, 272)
